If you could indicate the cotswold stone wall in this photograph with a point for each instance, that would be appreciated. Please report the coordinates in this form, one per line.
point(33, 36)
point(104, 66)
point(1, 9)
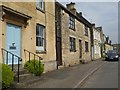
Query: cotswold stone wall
point(28, 33)
point(0, 41)
point(71, 58)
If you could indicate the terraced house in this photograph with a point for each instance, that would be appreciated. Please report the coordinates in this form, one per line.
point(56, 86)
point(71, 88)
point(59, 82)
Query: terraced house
point(97, 42)
point(28, 30)
point(73, 36)
point(59, 36)
point(108, 45)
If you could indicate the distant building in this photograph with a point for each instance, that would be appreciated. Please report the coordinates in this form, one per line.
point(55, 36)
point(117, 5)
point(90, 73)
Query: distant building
point(108, 44)
point(108, 47)
point(116, 47)
point(97, 42)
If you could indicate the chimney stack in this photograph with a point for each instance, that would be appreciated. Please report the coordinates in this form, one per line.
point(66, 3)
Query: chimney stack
point(71, 7)
point(80, 13)
point(93, 25)
point(99, 28)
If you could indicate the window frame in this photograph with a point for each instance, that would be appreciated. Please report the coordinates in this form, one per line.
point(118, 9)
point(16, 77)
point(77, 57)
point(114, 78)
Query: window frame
point(72, 44)
point(42, 37)
point(71, 22)
point(40, 5)
point(86, 46)
point(86, 30)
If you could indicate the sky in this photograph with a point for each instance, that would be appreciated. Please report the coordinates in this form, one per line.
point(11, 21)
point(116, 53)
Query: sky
point(102, 13)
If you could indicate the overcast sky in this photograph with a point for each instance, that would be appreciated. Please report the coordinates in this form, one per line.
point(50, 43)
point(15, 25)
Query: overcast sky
point(103, 14)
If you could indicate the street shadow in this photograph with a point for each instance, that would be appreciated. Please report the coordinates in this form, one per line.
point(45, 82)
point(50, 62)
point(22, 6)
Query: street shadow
point(112, 60)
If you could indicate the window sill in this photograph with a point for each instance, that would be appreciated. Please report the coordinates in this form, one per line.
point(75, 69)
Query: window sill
point(40, 52)
point(86, 35)
point(72, 50)
point(72, 29)
point(43, 11)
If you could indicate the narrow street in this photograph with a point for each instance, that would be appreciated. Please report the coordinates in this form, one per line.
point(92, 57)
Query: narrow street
point(67, 77)
point(105, 77)
point(59, 44)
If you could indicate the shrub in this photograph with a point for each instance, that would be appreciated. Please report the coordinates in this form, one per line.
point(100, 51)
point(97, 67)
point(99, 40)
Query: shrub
point(35, 70)
point(103, 56)
point(7, 76)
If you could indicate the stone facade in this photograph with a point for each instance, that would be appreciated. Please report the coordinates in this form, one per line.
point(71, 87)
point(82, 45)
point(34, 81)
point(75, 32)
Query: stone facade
point(0, 42)
point(108, 47)
point(68, 57)
point(28, 29)
point(116, 47)
point(97, 42)
point(107, 44)
point(55, 19)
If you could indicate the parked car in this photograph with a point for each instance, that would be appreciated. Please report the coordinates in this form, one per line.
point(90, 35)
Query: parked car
point(112, 55)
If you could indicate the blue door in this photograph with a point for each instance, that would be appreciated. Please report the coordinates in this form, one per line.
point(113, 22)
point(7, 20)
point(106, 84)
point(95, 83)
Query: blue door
point(13, 44)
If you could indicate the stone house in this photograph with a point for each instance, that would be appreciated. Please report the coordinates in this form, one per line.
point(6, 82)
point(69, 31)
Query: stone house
point(60, 36)
point(97, 42)
point(73, 36)
point(102, 42)
point(116, 47)
point(108, 45)
point(28, 26)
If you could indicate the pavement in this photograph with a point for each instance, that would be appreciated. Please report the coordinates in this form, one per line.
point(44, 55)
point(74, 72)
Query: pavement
point(69, 77)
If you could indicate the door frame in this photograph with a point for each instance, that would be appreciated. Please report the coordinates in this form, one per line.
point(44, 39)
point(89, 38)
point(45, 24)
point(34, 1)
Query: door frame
point(58, 49)
point(80, 48)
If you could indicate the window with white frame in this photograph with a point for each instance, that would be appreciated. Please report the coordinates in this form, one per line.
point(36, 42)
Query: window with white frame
point(71, 22)
point(40, 37)
point(40, 4)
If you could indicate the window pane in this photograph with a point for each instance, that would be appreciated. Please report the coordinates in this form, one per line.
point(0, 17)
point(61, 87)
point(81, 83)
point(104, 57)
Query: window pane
point(86, 30)
point(38, 41)
point(41, 32)
point(40, 4)
point(71, 22)
point(86, 46)
point(37, 30)
point(42, 41)
point(72, 44)
point(39, 36)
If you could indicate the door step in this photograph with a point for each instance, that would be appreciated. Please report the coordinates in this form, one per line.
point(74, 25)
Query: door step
point(24, 71)
point(25, 79)
point(15, 67)
point(61, 67)
point(27, 82)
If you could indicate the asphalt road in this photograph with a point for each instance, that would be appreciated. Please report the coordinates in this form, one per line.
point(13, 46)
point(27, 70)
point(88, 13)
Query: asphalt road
point(68, 77)
point(105, 77)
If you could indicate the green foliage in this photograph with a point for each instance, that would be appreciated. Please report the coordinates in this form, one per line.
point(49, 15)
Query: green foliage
point(33, 67)
point(7, 76)
point(103, 56)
